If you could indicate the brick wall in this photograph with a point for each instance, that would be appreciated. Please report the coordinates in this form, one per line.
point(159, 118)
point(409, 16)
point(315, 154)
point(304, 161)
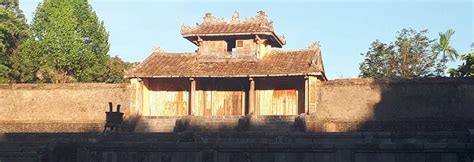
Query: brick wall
point(341, 105)
point(229, 147)
point(396, 105)
point(217, 124)
point(58, 107)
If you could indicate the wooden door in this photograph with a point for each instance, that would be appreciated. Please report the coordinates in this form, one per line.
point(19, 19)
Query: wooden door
point(278, 102)
point(169, 103)
point(227, 103)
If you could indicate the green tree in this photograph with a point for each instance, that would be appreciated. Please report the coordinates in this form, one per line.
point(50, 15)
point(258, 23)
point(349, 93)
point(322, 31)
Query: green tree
point(68, 44)
point(448, 53)
point(13, 31)
point(466, 69)
point(115, 70)
point(379, 54)
point(95, 40)
point(409, 56)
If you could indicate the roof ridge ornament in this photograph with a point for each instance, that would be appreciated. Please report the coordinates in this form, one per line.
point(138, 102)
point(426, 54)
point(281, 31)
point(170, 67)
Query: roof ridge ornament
point(209, 19)
point(314, 46)
point(235, 17)
point(262, 19)
point(282, 38)
point(158, 49)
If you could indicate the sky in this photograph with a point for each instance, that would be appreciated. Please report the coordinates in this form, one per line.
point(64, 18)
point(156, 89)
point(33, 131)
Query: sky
point(345, 28)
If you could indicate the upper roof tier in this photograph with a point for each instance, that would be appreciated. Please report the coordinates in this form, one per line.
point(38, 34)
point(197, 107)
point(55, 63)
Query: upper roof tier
point(215, 28)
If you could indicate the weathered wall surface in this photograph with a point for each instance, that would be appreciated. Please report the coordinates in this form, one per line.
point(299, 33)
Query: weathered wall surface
point(238, 147)
point(360, 104)
point(338, 105)
point(58, 107)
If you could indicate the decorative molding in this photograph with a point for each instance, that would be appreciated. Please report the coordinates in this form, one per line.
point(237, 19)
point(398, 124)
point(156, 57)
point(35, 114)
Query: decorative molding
point(235, 17)
point(157, 49)
point(209, 19)
point(259, 40)
point(316, 61)
point(314, 46)
point(282, 38)
point(261, 18)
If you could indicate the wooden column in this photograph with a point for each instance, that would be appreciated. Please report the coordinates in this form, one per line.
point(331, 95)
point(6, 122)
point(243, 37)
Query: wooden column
point(140, 96)
point(252, 97)
point(192, 96)
point(306, 94)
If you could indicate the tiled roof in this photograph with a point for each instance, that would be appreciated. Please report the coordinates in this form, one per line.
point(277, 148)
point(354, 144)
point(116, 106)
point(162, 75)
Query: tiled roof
point(212, 26)
point(228, 28)
point(160, 64)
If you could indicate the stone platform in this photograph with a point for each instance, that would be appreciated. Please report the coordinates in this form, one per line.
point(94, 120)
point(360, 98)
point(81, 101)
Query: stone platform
point(239, 146)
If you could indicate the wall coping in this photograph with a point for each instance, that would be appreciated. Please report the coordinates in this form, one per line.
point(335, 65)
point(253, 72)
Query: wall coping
point(365, 81)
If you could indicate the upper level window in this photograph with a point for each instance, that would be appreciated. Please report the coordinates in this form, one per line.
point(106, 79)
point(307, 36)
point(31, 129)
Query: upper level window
point(240, 43)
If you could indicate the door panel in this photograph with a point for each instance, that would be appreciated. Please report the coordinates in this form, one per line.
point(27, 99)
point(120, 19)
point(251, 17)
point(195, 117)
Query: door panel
point(227, 103)
point(278, 102)
point(169, 103)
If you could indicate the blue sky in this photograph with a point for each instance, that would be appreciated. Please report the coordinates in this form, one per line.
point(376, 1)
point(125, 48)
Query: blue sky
point(345, 27)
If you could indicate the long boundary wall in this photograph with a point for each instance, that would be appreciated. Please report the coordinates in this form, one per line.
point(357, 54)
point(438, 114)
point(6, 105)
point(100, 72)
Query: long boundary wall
point(59, 107)
point(440, 104)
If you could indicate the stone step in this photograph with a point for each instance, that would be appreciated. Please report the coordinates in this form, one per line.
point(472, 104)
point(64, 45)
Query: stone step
point(18, 154)
point(161, 125)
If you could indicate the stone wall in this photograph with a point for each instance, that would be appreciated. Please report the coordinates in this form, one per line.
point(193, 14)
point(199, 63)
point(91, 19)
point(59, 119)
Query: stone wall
point(238, 147)
point(443, 104)
point(58, 107)
point(397, 105)
point(218, 124)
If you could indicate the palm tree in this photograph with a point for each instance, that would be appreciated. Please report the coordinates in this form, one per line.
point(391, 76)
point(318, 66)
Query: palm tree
point(445, 48)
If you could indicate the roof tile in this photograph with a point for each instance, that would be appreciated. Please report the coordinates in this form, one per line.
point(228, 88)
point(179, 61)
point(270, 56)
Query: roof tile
point(160, 64)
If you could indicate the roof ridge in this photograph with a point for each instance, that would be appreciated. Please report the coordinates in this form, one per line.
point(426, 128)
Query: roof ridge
point(174, 53)
point(261, 19)
point(296, 50)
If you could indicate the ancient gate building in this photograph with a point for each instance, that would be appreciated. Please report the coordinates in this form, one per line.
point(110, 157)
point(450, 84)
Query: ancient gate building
point(234, 71)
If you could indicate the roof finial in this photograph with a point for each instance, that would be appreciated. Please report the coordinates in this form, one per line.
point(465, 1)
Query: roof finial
point(261, 13)
point(314, 46)
point(157, 49)
point(209, 19)
point(235, 17)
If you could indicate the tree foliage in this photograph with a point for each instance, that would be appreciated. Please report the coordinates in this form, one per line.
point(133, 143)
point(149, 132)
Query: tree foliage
point(466, 69)
point(410, 56)
point(113, 71)
point(68, 44)
point(13, 31)
point(448, 53)
point(379, 54)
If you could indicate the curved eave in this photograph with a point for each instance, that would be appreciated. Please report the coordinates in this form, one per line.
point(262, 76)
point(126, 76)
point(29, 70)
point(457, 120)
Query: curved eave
point(279, 43)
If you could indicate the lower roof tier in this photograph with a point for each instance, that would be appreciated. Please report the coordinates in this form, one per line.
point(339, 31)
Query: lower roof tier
point(277, 63)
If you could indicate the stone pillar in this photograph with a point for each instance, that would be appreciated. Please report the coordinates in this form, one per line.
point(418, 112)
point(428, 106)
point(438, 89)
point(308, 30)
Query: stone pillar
point(252, 96)
point(306, 94)
point(192, 96)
